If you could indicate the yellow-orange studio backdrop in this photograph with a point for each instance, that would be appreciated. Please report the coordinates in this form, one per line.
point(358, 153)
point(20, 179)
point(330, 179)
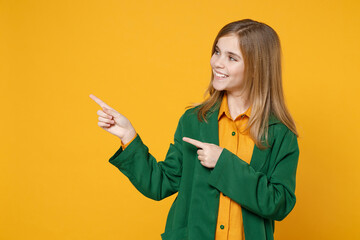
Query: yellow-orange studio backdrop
point(149, 60)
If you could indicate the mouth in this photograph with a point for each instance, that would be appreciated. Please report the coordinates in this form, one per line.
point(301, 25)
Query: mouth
point(220, 75)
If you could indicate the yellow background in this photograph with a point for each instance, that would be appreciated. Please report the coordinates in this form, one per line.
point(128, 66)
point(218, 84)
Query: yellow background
point(149, 60)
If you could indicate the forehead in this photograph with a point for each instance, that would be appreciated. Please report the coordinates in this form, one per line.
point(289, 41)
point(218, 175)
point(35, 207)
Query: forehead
point(229, 43)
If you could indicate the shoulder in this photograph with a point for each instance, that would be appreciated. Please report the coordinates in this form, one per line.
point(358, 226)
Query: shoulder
point(189, 120)
point(190, 113)
point(281, 137)
point(278, 130)
point(277, 125)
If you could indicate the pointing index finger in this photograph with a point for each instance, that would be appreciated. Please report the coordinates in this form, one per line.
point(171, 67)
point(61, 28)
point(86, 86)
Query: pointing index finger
point(98, 101)
point(194, 142)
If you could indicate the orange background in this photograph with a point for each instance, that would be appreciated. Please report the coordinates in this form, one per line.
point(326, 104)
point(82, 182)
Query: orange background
point(148, 60)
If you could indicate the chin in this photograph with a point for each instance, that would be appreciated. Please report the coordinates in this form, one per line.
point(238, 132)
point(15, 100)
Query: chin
point(218, 87)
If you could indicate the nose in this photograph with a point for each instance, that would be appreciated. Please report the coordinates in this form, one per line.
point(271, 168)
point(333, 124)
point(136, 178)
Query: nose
point(218, 62)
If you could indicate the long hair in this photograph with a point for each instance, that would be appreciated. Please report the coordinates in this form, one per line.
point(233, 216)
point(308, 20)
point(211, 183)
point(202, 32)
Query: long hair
point(261, 50)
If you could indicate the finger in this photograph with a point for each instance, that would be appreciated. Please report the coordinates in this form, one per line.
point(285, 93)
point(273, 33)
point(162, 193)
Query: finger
point(103, 125)
point(200, 151)
point(112, 112)
point(194, 142)
point(103, 114)
point(98, 101)
point(106, 120)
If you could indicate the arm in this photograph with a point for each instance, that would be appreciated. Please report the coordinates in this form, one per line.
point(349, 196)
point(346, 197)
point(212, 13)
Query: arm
point(270, 197)
point(155, 180)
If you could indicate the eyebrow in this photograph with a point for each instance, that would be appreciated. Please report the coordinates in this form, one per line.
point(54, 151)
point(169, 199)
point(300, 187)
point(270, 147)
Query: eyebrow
point(228, 52)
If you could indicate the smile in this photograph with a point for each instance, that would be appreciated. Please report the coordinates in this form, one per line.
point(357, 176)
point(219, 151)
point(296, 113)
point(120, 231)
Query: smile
point(220, 75)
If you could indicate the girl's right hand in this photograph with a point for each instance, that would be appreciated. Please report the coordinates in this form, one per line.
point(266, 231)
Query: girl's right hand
point(113, 122)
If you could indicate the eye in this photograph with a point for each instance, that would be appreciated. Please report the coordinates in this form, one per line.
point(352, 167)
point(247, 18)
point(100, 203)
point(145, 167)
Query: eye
point(216, 51)
point(232, 59)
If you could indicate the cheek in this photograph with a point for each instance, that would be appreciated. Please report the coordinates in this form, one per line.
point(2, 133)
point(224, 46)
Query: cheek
point(212, 61)
point(239, 70)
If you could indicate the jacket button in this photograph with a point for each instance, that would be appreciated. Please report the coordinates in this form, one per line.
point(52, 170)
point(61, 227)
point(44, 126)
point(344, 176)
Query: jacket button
point(233, 133)
point(222, 226)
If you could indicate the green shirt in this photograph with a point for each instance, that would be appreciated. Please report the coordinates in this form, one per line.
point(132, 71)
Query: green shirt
point(265, 188)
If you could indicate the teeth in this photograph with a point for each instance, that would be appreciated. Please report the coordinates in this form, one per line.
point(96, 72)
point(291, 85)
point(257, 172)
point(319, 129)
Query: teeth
point(220, 75)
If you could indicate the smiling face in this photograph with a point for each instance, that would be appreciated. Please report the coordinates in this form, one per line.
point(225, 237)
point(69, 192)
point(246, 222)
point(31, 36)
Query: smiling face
point(227, 64)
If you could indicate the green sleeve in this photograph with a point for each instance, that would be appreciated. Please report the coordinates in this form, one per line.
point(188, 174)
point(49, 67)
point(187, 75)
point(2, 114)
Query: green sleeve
point(155, 180)
point(271, 196)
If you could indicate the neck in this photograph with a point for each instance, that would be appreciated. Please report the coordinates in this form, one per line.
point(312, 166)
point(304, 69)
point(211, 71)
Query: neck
point(238, 104)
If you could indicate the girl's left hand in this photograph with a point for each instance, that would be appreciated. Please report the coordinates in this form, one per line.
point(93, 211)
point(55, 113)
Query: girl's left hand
point(208, 153)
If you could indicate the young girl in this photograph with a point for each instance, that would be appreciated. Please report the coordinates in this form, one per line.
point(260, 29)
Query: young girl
point(234, 157)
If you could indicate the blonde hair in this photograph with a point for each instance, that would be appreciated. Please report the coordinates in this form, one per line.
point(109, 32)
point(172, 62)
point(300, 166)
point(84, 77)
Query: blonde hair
point(261, 50)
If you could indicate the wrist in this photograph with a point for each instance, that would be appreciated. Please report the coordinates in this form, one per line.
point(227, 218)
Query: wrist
point(128, 137)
